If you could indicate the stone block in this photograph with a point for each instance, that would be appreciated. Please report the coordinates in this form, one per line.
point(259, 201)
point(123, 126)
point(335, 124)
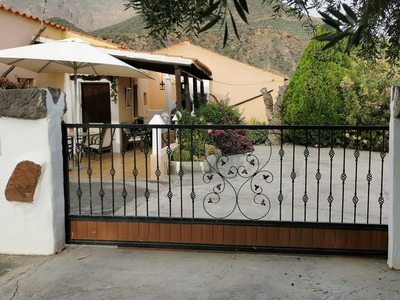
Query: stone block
point(29, 104)
point(23, 181)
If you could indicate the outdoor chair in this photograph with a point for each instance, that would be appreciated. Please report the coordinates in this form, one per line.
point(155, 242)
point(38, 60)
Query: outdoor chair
point(132, 137)
point(101, 143)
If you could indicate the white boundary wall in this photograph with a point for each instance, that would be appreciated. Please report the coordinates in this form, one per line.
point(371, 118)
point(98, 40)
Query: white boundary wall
point(394, 185)
point(37, 227)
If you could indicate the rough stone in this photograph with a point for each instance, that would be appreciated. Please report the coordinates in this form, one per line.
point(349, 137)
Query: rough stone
point(274, 114)
point(26, 103)
point(23, 181)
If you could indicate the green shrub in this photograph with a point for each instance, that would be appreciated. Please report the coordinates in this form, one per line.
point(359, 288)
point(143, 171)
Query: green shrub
point(257, 136)
point(218, 112)
point(313, 95)
point(181, 155)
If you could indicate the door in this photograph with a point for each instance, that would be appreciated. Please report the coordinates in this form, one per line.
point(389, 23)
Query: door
point(96, 102)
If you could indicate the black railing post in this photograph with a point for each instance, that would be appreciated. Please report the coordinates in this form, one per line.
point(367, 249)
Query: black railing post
point(65, 156)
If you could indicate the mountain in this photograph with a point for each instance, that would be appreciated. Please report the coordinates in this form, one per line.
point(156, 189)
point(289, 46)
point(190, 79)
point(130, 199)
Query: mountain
point(85, 14)
point(274, 45)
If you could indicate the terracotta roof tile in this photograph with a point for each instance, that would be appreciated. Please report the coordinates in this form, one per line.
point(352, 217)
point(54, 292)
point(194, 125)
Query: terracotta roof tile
point(25, 15)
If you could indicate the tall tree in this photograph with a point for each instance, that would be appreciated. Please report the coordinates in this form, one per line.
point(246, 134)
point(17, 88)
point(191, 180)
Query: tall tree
point(373, 25)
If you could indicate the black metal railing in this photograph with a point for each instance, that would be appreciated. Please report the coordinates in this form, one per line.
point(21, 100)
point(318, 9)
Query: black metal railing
point(327, 174)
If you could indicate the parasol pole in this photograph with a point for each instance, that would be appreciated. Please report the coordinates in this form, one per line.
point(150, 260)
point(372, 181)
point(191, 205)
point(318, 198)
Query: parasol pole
point(75, 100)
point(75, 111)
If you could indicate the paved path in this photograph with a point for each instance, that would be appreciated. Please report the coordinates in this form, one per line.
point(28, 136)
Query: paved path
point(82, 272)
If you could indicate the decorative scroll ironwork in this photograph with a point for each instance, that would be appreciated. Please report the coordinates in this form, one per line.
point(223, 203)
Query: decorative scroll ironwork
point(229, 178)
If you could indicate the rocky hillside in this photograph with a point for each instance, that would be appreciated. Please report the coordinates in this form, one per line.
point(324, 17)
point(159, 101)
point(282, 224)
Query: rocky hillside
point(85, 14)
point(274, 45)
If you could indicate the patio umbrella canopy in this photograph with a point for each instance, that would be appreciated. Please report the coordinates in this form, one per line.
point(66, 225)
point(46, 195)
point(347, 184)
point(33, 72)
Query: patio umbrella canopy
point(68, 56)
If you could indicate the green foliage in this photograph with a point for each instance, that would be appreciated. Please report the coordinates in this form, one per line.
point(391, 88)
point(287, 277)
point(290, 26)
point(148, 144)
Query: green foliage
point(165, 17)
point(356, 93)
point(199, 100)
point(193, 140)
point(228, 141)
point(220, 112)
point(367, 102)
point(367, 95)
point(180, 154)
point(313, 96)
point(257, 136)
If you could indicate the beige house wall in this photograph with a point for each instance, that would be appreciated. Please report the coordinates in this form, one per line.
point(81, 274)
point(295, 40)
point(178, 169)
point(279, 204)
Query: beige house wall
point(19, 31)
point(232, 79)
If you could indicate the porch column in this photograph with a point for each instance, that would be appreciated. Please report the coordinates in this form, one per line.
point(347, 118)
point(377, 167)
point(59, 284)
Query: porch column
point(394, 186)
point(187, 93)
point(195, 92)
point(178, 88)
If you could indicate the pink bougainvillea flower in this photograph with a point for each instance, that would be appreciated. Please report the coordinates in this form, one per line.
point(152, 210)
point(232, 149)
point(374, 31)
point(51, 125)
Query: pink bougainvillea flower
point(341, 85)
point(388, 90)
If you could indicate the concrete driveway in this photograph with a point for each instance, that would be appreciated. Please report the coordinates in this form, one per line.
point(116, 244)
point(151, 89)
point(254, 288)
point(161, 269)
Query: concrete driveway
point(83, 272)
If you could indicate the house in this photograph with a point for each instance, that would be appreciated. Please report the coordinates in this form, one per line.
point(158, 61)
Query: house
point(240, 82)
point(104, 99)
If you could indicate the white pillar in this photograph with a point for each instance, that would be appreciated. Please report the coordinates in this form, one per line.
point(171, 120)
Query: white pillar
point(394, 175)
point(37, 227)
point(157, 158)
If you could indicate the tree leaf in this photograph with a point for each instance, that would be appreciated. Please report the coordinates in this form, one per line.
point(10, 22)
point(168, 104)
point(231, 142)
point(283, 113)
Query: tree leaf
point(336, 13)
point(335, 39)
point(234, 26)
point(225, 34)
point(240, 11)
point(210, 24)
point(211, 8)
point(328, 20)
point(350, 12)
point(243, 3)
point(357, 35)
point(324, 37)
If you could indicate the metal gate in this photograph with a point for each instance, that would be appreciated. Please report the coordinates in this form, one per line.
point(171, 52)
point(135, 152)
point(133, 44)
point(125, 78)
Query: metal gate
point(298, 189)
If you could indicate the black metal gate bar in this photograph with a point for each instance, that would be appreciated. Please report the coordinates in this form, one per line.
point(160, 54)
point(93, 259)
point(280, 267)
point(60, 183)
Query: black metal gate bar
point(107, 195)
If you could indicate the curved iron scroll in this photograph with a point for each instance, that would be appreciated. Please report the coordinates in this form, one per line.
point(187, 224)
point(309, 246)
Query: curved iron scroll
point(245, 181)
